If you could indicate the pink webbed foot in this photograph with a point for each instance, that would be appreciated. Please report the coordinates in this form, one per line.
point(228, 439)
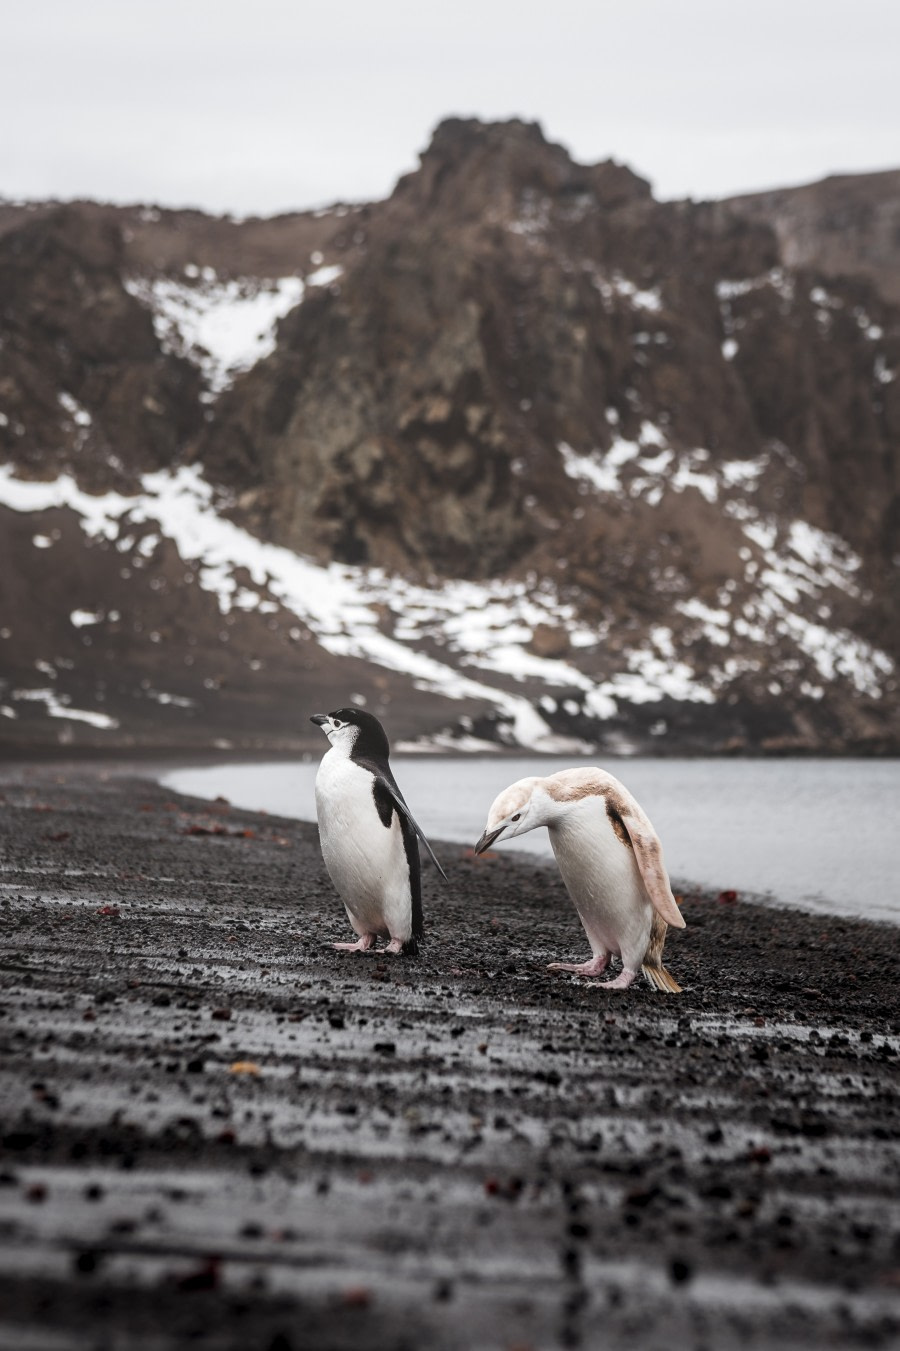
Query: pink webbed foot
point(364, 944)
point(595, 967)
point(395, 945)
point(621, 982)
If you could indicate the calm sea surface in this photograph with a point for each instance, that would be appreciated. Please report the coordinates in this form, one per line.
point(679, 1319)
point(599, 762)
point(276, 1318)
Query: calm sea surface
point(820, 834)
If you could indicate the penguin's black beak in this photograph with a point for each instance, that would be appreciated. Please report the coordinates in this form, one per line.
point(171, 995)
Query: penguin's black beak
point(487, 840)
point(320, 719)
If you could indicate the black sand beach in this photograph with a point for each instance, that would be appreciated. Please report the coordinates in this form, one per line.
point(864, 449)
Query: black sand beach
point(218, 1132)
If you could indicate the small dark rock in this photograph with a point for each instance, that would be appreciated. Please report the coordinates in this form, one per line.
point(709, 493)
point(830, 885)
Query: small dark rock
point(680, 1271)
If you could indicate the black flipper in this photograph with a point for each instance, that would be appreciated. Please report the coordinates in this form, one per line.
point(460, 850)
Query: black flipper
point(411, 849)
point(385, 783)
point(386, 805)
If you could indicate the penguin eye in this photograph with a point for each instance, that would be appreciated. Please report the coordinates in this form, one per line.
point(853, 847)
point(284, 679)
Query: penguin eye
point(336, 722)
point(517, 816)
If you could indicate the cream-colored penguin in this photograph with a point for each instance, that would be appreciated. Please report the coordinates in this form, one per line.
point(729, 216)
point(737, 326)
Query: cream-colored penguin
point(611, 861)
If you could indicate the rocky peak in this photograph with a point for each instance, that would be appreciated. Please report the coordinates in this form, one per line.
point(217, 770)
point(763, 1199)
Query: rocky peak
point(474, 168)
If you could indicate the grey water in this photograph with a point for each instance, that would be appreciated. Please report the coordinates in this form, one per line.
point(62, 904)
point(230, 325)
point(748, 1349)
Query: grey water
point(821, 835)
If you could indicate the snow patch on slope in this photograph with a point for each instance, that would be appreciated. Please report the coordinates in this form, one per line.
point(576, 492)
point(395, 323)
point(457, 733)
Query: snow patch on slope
point(57, 707)
point(81, 618)
point(223, 327)
point(485, 627)
point(79, 415)
point(802, 567)
point(788, 577)
point(776, 278)
point(475, 641)
point(614, 286)
point(602, 469)
point(342, 605)
point(649, 476)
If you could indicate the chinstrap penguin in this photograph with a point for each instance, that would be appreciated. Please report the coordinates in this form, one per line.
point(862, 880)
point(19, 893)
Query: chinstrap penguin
point(368, 834)
point(611, 862)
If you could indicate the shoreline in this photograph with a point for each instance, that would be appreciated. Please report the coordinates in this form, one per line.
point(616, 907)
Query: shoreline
point(215, 1123)
point(796, 880)
point(51, 753)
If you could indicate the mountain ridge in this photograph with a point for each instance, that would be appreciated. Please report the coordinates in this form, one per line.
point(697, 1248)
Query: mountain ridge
point(520, 387)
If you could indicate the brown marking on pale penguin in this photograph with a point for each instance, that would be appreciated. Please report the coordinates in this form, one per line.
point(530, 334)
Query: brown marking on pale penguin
point(571, 785)
point(614, 812)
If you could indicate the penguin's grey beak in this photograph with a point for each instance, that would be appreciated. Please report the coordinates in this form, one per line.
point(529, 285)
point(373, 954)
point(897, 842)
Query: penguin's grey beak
point(488, 839)
point(320, 719)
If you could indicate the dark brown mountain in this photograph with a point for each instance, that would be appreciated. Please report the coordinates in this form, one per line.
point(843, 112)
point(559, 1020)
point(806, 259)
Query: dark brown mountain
point(562, 460)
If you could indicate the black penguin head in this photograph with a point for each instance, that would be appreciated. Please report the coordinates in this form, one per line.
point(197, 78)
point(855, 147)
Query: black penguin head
point(355, 732)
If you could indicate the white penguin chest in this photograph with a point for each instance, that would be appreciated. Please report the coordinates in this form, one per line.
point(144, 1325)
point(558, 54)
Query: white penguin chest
point(365, 858)
point(601, 875)
point(344, 799)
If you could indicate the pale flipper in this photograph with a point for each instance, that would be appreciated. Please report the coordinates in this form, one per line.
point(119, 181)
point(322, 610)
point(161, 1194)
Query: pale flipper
point(649, 859)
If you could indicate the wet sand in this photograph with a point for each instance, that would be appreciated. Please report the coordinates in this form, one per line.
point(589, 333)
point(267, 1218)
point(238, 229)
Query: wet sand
point(217, 1131)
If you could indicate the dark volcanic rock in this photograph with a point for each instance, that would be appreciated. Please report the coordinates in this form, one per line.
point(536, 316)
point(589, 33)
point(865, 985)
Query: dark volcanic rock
point(84, 386)
point(463, 1150)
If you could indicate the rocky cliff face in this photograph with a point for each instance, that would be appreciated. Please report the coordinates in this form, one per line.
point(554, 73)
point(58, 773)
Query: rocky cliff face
point(518, 454)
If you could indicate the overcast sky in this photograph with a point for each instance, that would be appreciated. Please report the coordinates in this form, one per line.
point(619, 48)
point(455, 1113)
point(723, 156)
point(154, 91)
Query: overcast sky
point(265, 105)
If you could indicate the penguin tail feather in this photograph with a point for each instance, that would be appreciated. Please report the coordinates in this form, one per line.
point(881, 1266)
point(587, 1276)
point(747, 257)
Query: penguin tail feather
point(411, 946)
point(660, 978)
